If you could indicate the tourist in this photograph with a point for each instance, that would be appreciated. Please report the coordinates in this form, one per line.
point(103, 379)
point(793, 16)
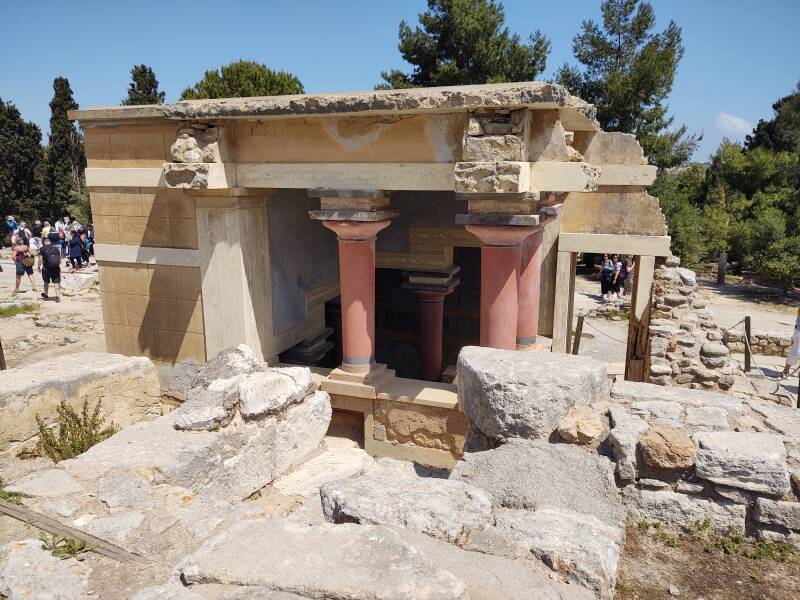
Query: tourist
point(11, 224)
point(794, 351)
point(630, 264)
point(606, 273)
point(51, 266)
point(23, 259)
point(61, 230)
point(75, 251)
point(34, 243)
point(90, 239)
point(46, 229)
point(616, 280)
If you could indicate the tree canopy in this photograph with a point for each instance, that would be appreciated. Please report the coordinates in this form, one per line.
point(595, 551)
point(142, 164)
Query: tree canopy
point(782, 132)
point(241, 79)
point(21, 161)
point(464, 42)
point(627, 72)
point(143, 88)
point(66, 159)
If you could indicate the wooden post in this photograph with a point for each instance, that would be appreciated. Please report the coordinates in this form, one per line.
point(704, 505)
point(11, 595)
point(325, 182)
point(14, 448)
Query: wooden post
point(2, 357)
point(576, 343)
point(721, 266)
point(747, 344)
point(564, 301)
point(636, 368)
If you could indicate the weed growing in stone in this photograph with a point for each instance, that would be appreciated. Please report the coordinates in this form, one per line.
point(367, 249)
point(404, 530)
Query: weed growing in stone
point(738, 544)
point(63, 547)
point(74, 432)
point(16, 309)
point(8, 496)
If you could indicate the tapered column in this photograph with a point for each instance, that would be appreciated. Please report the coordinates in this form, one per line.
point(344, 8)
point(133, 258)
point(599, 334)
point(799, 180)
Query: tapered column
point(357, 285)
point(431, 315)
point(529, 286)
point(501, 253)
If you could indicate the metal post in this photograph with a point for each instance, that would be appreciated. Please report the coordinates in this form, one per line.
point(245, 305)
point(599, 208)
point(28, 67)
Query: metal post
point(576, 343)
point(747, 344)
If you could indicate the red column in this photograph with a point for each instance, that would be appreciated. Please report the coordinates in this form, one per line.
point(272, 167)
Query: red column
point(529, 286)
point(501, 254)
point(357, 288)
point(431, 315)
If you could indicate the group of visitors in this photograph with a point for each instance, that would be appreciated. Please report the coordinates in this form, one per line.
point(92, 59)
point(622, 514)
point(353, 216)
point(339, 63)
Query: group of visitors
point(616, 277)
point(43, 246)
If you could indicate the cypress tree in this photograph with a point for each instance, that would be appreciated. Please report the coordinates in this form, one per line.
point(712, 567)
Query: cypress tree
point(143, 88)
point(21, 158)
point(66, 159)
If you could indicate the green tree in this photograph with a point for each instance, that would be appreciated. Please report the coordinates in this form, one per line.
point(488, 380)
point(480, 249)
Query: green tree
point(627, 73)
point(66, 159)
point(21, 160)
point(463, 42)
point(241, 79)
point(143, 88)
point(681, 194)
point(782, 132)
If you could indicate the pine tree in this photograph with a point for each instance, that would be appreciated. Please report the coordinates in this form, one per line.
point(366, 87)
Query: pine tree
point(144, 87)
point(628, 72)
point(66, 159)
point(21, 159)
point(463, 42)
point(242, 79)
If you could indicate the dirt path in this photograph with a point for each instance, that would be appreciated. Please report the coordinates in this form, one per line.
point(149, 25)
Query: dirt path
point(55, 328)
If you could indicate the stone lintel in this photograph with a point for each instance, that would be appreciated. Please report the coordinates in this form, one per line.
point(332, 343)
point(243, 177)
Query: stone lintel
point(337, 193)
point(352, 215)
point(499, 219)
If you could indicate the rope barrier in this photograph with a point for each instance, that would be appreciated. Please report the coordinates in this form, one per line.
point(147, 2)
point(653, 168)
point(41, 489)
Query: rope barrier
point(586, 322)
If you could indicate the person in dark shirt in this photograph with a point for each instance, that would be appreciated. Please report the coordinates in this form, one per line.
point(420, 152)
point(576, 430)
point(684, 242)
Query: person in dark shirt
point(51, 266)
point(75, 251)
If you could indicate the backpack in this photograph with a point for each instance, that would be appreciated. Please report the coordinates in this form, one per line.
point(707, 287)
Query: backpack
point(52, 258)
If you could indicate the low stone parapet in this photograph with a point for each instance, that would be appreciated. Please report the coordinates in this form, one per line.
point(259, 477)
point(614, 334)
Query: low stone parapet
point(127, 387)
point(764, 343)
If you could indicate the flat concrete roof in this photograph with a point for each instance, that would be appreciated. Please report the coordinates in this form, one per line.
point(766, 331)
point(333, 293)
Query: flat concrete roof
point(576, 114)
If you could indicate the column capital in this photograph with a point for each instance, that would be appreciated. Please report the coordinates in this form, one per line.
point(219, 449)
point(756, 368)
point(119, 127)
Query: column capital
point(501, 235)
point(356, 230)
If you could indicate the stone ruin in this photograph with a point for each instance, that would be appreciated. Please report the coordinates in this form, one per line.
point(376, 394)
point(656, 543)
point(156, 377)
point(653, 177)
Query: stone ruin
point(238, 494)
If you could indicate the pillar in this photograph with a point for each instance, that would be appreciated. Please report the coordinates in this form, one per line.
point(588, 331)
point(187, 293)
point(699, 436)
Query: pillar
point(529, 290)
point(636, 363)
point(431, 317)
point(501, 255)
point(357, 288)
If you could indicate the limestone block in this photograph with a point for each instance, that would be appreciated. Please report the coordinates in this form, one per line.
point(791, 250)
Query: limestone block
point(29, 571)
point(422, 426)
point(750, 461)
point(522, 394)
point(497, 148)
point(127, 385)
point(580, 547)
point(333, 561)
point(707, 417)
point(492, 177)
point(682, 511)
point(612, 210)
point(785, 514)
point(207, 408)
point(50, 483)
point(614, 148)
point(232, 463)
point(535, 475)
point(229, 362)
point(661, 410)
point(445, 509)
point(194, 146)
point(187, 175)
point(116, 528)
point(171, 591)
point(583, 426)
point(710, 349)
point(269, 392)
point(667, 448)
point(334, 463)
point(623, 439)
point(547, 135)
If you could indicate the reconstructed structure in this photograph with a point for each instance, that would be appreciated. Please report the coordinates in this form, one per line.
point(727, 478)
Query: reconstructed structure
point(365, 230)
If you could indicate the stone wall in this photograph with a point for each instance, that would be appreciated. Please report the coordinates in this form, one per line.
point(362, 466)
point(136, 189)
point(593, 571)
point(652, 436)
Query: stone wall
point(686, 346)
point(766, 343)
point(127, 387)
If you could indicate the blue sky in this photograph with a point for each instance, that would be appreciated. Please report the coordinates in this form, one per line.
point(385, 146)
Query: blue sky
point(741, 55)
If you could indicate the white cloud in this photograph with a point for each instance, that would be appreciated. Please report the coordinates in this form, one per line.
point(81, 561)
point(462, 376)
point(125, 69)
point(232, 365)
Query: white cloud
point(732, 126)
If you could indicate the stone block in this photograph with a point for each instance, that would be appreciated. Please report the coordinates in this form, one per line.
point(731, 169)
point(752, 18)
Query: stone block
point(682, 511)
point(525, 394)
point(29, 571)
point(583, 426)
point(666, 448)
point(749, 461)
point(623, 439)
point(492, 177)
point(784, 514)
point(127, 387)
point(497, 148)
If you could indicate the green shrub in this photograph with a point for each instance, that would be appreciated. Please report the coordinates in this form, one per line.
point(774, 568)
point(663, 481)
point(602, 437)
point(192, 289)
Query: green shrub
point(63, 547)
point(74, 433)
point(16, 309)
point(8, 496)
